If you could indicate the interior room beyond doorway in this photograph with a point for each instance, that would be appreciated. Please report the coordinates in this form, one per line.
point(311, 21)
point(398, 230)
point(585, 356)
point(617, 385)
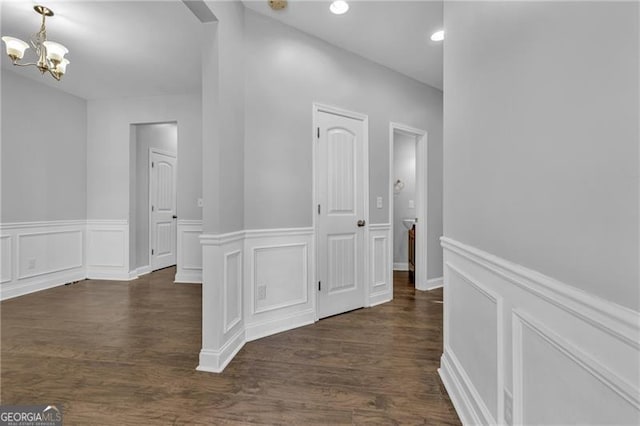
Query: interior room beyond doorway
point(148, 230)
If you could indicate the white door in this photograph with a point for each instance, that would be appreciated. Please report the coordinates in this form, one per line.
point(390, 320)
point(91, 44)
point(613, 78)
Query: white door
point(162, 193)
point(341, 213)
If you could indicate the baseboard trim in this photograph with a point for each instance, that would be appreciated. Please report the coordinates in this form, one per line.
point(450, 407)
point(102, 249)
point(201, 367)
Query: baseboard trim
point(375, 301)
point(143, 270)
point(111, 275)
point(469, 404)
point(188, 278)
point(216, 361)
point(267, 328)
point(458, 398)
point(435, 283)
point(55, 280)
point(400, 266)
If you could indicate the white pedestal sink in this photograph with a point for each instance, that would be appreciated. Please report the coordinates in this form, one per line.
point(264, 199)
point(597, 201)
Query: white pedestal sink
point(408, 223)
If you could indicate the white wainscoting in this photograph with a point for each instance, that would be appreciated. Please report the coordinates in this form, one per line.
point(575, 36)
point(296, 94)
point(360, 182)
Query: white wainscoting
point(189, 262)
point(40, 255)
point(223, 331)
point(279, 280)
point(108, 250)
point(380, 255)
point(520, 346)
point(276, 286)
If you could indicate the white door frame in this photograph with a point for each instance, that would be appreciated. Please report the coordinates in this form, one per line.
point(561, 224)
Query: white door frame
point(151, 239)
point(421, 198)
point(318, 108)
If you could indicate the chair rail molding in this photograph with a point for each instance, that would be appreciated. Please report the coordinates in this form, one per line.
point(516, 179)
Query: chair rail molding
point(543, 351)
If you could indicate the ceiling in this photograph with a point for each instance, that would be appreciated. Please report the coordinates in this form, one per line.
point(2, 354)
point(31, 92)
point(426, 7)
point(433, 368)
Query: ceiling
point(143, 48)
point(393, 33)
point(116, 48)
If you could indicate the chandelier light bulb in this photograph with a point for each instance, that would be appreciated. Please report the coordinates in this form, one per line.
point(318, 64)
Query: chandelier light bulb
point(15, 47)
point(55, 51)
point(339, 7)
point(62, 67)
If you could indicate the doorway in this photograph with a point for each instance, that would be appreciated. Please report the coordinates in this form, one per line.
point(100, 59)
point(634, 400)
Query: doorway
point(154, 157)
point(340, 209)
point(408, 206)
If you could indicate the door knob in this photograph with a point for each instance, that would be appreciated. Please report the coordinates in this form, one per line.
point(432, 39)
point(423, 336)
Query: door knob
point(175, 217)
point(361, 223)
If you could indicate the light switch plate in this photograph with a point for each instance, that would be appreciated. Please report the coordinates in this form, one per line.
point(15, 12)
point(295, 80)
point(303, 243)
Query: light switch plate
point(379, 202)
point(412, 204)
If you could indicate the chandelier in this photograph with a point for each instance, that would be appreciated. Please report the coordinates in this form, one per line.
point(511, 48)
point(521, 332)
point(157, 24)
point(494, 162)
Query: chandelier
point(50, 54)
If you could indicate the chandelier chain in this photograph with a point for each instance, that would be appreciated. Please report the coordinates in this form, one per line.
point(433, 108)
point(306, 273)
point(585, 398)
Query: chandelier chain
point(40, 37)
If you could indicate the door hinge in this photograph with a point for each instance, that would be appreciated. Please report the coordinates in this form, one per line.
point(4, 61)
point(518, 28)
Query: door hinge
point(152, 208)
point(318, 208)
point(318, 132)
point(319, 285)
point(152, 164)
point(152, 251)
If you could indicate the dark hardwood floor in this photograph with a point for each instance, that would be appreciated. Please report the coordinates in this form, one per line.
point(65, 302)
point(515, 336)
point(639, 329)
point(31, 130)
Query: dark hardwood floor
point(125, 353)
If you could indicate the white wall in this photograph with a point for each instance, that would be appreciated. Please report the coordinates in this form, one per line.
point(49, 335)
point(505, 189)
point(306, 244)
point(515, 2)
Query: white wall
point(223, 182)
point(43, 174)
point(541, 204)
point(111, 156)
point(108, 151)
point(162, 136)
point(223, 111)
point(286, 71)
point(404, 169)
point(542, 139)
point(43, 152)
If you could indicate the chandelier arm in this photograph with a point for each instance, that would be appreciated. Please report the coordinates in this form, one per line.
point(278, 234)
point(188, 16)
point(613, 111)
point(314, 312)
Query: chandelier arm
point(17, 64)
point(53, 74)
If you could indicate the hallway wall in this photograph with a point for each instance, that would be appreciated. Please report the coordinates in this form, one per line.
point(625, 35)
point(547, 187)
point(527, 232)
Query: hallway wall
point(550, 166)
point(110, 164)
point(223, 109)
point(43, 152)
point(44, 170)
point(542, 185)
point(286, 71)
point(108, 144)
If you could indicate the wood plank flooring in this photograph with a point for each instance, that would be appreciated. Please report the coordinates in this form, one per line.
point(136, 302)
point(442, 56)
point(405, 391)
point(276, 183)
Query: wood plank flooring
point(124, 353)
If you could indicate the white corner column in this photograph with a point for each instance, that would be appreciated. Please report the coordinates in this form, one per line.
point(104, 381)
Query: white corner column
point(223, 331)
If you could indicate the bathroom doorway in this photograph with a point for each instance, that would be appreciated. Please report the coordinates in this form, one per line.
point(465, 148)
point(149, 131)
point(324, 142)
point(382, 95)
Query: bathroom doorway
point(408, 195)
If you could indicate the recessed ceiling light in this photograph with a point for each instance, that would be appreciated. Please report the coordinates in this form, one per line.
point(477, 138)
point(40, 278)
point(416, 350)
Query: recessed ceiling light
point(437, 36)
point(339, 7)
